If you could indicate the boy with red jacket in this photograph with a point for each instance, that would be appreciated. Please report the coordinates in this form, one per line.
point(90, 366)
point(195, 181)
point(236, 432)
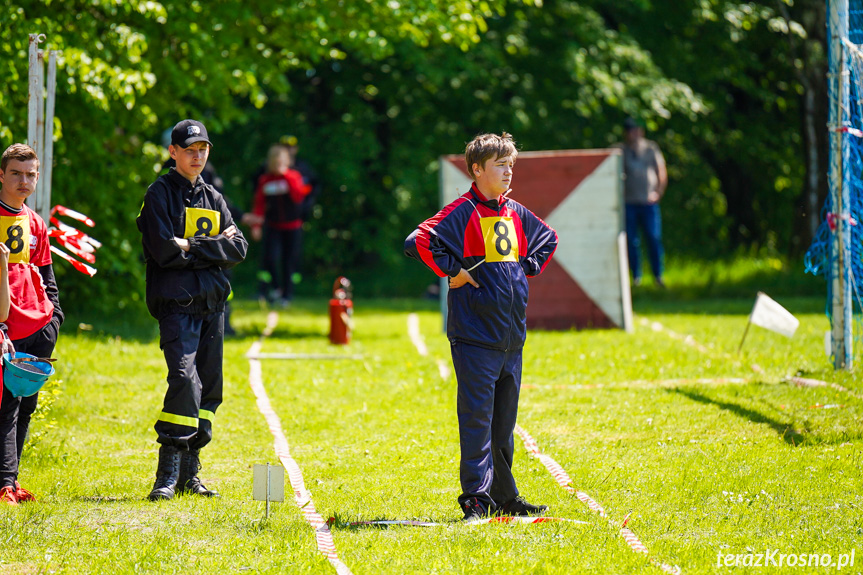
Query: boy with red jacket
point(34, 315)
point(488, 245)
point(279, 198)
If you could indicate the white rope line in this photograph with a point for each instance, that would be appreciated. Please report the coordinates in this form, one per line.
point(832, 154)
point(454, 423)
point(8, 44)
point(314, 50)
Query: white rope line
point(687, 339)
point(805, 382)
point(691, 342)
point(419, 342)
point(415, 335)
point(303, 498)
point(563, 479)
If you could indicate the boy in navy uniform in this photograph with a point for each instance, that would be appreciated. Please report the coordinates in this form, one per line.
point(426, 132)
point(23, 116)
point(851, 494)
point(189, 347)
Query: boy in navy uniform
point(488, 245)
point(189, 241)
point(34, 315)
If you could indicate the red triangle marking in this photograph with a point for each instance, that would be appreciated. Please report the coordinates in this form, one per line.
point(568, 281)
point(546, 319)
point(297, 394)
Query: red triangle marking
point(544, 180)
point(558, 302)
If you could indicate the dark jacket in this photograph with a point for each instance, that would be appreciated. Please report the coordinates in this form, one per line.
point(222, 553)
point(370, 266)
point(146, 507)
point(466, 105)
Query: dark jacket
point(192, 282)
point(501, 245)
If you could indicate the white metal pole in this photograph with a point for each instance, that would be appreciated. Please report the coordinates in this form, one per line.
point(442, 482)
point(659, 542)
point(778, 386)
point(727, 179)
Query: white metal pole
point(40, 128)
point(845, 225)
point(48, 166)
point(841, 322)
point(34, 100)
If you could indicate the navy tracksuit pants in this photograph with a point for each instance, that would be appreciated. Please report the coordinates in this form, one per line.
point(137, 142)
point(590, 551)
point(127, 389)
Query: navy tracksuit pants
point(489, 382)
point(15, 412)
point(192, 345)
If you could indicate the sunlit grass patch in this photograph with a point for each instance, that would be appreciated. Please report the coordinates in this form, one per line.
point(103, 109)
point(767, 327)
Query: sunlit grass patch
point(708, 449)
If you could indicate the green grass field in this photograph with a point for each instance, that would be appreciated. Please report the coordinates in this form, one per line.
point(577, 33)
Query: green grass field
point(711, 453)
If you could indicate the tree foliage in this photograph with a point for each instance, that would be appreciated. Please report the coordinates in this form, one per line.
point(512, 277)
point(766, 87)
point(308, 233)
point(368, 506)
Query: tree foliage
point(128, 70)
point(377, 91)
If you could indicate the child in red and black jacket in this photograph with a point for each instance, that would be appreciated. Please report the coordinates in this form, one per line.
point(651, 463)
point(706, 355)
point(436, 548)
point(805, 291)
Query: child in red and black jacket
point(279, 198)
point(488, 244)
point(34, 314)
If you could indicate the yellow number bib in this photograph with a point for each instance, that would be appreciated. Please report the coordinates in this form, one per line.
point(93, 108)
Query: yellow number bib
point(15, 233)
point(201, 222)
point(501, 243)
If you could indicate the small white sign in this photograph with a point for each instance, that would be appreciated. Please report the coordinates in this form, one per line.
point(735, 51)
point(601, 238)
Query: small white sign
point(268, 483)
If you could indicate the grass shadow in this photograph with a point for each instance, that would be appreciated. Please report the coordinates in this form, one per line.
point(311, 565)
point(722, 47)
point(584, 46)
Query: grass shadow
point(109, 499)
point(285, 332)
point(341, 523)
point(786, 430)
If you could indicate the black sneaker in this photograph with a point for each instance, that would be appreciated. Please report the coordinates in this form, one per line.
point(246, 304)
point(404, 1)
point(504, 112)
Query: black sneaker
point(473, 510)
point(518, 507)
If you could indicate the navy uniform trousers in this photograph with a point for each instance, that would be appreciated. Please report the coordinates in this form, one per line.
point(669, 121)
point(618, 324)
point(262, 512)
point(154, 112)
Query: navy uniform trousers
point(489, 382)
point(15, 412)
point(192, 345)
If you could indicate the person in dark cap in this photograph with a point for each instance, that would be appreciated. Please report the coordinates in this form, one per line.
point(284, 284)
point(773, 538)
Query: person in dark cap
point(189, 241)
point(645, 180)
point(212, 177)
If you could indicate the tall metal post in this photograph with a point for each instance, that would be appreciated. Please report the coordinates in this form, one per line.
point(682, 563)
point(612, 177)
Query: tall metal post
point(840, 249)
point(43, 207)
point(35, 92)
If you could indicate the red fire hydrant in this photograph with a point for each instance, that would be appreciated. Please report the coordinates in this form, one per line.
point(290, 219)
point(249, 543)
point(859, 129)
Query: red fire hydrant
point(341, 312)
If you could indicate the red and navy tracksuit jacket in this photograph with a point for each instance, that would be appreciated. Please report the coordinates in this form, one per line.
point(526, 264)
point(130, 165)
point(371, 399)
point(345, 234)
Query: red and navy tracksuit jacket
point(501, 244)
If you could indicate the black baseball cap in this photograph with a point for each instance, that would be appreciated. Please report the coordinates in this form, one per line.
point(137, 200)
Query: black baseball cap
point(187, 132)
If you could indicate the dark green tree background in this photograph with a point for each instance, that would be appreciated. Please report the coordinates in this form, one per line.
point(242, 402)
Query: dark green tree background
point(377, 91)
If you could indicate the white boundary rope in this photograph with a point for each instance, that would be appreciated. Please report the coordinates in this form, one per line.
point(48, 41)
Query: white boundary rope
point(805, 382)
point(563, 479)
point(691, 342)
point(419, 343)
point(303, 498)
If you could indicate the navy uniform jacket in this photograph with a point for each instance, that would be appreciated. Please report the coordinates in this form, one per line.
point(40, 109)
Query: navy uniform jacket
point(501, 245)
point(192, 282)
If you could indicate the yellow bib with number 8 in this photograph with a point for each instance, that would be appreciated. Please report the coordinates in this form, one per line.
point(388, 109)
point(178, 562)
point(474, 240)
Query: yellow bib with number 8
point(501, 243)
point(15, 233)
point(202, 222)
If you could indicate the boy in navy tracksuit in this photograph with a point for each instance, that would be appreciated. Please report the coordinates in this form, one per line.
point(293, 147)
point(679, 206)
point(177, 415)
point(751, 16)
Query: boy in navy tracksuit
point(189, 241)
point(493, 243)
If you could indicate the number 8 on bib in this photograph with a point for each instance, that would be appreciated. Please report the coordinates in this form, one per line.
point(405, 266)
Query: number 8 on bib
point(501, 243)
point(15, 233)
point(202, 222)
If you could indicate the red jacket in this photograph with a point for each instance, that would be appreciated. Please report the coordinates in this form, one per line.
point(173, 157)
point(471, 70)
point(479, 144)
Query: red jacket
point(279, 199)
point(31, 308)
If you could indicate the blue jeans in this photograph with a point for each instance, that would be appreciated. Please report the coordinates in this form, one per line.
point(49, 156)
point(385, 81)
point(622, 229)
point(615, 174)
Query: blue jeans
point(648, 218)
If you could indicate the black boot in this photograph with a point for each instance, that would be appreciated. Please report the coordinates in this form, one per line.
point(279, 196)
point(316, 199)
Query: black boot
point(190, 464)
point(166, 474)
